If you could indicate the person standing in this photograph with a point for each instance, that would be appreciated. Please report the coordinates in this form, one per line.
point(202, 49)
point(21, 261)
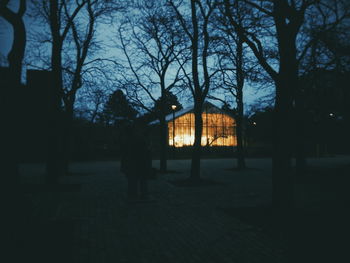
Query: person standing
point(136, 162)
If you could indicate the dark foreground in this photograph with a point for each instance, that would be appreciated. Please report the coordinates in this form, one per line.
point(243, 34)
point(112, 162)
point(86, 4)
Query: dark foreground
point(226, 219)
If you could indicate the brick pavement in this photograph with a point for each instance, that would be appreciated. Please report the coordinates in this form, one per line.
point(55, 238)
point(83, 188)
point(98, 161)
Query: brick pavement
point(184, 224)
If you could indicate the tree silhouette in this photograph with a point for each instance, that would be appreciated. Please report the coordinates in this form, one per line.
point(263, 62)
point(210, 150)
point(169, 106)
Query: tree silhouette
point(59, 33)
point(117, 109)
point(151, 42)
point(236, 66)
point(11, 80)
point(288, 19)
point(197, 29)
point(169, 100)
point(16, 54)
point(10, 108)
point(73, 38)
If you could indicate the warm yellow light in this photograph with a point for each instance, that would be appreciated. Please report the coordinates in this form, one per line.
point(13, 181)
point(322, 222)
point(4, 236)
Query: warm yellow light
point(218, 130)
point(173, 107)
point(183, 140)
point(188, 139)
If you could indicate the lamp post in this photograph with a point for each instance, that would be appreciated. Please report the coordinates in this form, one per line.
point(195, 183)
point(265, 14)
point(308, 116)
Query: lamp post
point(173, 107)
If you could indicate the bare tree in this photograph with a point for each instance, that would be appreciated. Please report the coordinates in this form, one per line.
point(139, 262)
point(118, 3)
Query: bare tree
point(197, 31)
point(9, 96)
point(59, 32)
point(92, 100)
point(10, 103)
point(236, 67)
point(73, 43)
point(81, 37)
point(286, 19)
point(151, 42)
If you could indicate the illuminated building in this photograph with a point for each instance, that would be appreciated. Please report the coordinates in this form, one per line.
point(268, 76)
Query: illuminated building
point(219, 127)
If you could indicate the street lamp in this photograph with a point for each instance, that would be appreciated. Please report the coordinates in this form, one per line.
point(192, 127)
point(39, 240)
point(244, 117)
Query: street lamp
point(173, 107)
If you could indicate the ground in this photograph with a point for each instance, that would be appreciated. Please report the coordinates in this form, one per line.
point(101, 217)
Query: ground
point(228, 219)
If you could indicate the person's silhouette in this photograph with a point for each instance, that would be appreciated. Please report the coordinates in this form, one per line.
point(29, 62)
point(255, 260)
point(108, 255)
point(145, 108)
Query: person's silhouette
point(136, 162)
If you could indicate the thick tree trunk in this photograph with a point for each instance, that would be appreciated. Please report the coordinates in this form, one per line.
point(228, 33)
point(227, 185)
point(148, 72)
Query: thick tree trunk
point(163, 143)
point(282, 176)
point(286, 90)
point(300, 142)
point(54, 151)
point(12, 90)
point(9, 103)
point(197, 147)
point(54, 156)
point(11, 209)
point(10, 107)
point(67, 139)
point(281, 162)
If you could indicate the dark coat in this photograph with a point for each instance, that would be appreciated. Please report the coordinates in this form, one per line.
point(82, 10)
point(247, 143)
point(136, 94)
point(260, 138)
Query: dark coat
point(136, 158)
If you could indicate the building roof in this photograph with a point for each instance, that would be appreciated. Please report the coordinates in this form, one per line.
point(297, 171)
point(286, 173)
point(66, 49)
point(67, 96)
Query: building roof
point(207, 106)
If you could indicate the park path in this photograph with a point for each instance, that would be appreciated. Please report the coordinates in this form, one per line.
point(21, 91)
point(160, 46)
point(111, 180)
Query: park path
point(183, 224)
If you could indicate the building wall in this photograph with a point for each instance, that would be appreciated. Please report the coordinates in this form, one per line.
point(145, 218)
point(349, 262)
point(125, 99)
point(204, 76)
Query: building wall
point(218, 130)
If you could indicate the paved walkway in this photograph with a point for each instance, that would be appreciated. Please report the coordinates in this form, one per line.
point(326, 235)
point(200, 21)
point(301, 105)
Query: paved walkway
point(92, 222)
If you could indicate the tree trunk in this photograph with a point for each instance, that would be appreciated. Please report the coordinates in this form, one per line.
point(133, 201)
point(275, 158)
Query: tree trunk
point(163, 143)
point(286, 89)
point(10, 107)
point(282, 178)
point(281, 162)
point(198, 101)
point(12, 90)
point(240, 110)
point(54, 157)
point(67, 138)
point(163, 128)
point(197, 147)
point(10, 112)
point(239, 127)
point(300, 133)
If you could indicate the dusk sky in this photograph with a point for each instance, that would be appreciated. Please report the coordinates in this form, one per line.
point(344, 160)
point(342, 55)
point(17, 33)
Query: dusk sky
point(251, 94)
